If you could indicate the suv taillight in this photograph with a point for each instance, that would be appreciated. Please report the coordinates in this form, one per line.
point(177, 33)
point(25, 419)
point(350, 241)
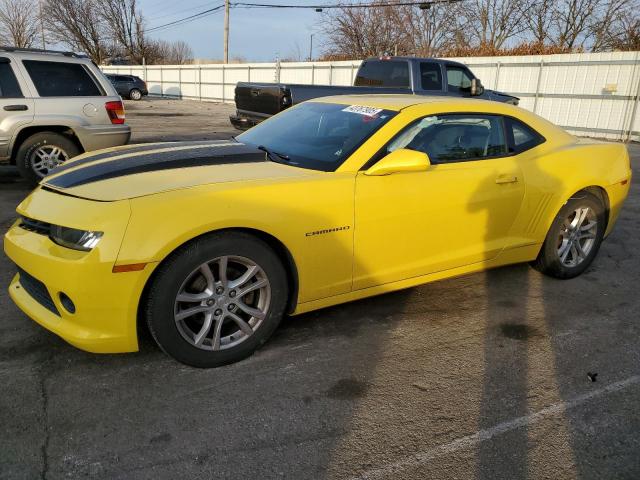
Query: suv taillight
point(115, 110)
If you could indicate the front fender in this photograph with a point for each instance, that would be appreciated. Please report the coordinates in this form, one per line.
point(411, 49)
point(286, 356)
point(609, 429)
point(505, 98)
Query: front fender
point(287, 211)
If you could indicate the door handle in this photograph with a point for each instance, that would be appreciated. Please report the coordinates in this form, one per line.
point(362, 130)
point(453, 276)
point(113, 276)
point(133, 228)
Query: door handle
point(15, 108)
point(506, 179)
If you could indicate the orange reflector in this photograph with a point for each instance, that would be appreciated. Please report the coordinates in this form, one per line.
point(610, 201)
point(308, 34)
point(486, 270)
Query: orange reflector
point(132, 267)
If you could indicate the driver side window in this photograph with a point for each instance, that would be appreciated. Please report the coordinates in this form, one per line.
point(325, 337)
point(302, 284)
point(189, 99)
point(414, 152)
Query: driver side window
point(454, 138)
point(458, 79)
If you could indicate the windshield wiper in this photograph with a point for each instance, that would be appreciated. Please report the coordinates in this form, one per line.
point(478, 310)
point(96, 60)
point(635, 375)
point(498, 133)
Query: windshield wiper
point(271, 154)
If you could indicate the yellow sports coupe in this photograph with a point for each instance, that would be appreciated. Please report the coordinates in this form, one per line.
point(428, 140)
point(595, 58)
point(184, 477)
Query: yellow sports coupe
point(211, 243)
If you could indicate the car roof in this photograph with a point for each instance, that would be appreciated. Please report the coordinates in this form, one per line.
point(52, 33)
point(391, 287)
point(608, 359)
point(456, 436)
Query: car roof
point(399, 102)
point(415, 59)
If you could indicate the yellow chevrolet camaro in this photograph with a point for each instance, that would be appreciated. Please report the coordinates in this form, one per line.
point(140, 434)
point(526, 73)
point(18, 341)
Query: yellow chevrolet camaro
point(211, 243)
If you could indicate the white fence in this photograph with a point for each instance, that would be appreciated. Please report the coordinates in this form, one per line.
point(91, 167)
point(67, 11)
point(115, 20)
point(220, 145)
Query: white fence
point(594, 94)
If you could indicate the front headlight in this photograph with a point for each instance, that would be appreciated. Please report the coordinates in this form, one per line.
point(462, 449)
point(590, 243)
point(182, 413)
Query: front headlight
point(83, 240)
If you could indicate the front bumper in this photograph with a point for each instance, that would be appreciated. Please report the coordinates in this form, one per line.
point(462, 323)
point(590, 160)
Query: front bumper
point(106, 303)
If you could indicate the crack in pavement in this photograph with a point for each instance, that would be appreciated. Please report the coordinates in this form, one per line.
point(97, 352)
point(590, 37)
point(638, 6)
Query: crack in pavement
point(45, 372)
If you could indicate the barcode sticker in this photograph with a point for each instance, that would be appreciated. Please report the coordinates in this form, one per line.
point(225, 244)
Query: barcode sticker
point(361, 110)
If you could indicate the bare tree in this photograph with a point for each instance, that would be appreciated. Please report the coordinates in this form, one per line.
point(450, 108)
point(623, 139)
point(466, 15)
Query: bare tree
point(539, 16)
point(493, 22)
point(362, 32)
point(79, 25)
point(574, 20)
point(126, 26)
point(429, 31)
point(161, 52)
point(616, 25)
point(180, 53)
point(19, 23)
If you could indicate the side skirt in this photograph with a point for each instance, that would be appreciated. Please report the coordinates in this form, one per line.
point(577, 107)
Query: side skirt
point(507, 257)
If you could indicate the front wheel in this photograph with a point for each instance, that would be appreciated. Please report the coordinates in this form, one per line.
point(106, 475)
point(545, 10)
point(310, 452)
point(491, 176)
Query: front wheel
point(217, 300)
point(574, 237)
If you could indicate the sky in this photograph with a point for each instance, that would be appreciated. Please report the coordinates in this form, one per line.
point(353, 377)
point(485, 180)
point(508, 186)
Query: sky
point(254, 34)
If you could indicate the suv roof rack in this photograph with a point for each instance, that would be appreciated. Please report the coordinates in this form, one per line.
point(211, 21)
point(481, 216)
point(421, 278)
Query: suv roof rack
point(40, 50)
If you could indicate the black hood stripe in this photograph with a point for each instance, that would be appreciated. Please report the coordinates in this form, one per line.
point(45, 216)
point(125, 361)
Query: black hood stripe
point(167, 160)
point(133, 149)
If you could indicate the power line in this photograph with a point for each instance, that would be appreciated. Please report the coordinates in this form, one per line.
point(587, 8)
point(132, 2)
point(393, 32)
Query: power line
point(190, 18)
point(319, 8)
point(348, 5)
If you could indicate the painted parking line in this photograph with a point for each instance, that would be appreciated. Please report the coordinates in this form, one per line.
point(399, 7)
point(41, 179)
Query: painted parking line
point(416, 460)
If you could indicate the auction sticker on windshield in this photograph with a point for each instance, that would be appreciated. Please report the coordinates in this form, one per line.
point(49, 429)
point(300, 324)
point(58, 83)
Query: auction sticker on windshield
point(362, 110)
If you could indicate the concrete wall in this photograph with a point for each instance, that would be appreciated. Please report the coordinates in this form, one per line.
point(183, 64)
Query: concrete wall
point(594, 94)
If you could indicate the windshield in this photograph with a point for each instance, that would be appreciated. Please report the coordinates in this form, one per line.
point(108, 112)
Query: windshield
point(318, 136)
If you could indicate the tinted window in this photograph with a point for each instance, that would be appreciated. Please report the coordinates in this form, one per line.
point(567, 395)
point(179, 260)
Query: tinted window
point(9, 87)
point(459, 79)
point(382, 73)
point(59, 79)
point(431, 76)
point(522, 137)
point(454, 138)
point(319, 136)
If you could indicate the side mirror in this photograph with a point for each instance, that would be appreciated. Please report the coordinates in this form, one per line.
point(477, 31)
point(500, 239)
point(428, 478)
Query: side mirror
point(401, 160)
point(476, 87)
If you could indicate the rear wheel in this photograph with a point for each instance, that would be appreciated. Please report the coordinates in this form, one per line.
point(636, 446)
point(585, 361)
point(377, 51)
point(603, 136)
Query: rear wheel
point(217, 300)
point(40, 153)
point(135, 94)
point(574, 237)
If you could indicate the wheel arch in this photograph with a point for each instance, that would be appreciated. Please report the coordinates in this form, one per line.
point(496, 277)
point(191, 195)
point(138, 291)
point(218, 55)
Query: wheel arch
point(276, 245)
point(27, 131)
point(596, 190)
point(600, 193)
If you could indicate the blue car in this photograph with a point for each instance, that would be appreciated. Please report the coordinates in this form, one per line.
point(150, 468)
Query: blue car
point(129, 86)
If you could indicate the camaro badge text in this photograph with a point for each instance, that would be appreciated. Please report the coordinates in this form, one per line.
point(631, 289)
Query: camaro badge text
point(328, 230)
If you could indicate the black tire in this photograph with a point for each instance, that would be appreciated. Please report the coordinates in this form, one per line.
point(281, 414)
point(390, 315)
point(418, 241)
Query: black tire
point(135, 94)
point(26, 152)
point(549, 261)
point(173, 273)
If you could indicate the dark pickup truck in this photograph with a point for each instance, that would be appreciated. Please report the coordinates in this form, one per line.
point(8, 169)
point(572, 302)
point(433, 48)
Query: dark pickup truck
point(390, 75)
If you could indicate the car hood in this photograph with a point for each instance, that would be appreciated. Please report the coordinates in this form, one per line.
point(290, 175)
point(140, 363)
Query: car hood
point(146, 169)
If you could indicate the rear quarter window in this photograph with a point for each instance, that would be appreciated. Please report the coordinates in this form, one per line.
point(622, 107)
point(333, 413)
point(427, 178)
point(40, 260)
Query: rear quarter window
point(521, 136)
point(9, 87)
point(60, 79)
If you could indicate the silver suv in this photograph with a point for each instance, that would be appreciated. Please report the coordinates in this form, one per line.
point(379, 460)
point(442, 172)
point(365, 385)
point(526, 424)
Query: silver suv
point(53, 106)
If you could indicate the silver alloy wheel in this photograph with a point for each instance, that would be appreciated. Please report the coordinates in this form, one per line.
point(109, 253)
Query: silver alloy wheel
point(135, 94)
point(577, 237)
point(46, 158)
point(222, 303)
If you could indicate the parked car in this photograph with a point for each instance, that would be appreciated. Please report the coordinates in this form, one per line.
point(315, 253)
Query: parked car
point(54, 106)
point(330, 201)
point(385, 75)
point(129, 86)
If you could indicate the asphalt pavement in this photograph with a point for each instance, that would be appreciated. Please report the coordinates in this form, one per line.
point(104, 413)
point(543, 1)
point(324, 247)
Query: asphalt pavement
point(486, 376)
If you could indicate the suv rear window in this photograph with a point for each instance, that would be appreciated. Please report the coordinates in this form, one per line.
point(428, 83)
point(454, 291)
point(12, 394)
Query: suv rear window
point(60, 79)
point(9, 87)
point(381, 73)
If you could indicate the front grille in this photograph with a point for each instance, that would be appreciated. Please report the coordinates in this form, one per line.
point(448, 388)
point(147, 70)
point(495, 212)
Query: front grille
point(35, 226)
point(37, 290)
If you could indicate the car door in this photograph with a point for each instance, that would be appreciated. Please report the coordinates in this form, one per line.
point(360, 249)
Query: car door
point(458, 212)
point(16, 108)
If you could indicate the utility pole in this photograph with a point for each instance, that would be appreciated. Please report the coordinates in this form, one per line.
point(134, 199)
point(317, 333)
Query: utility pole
point(44, 43)
point(226, 31)
point(311, 49)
